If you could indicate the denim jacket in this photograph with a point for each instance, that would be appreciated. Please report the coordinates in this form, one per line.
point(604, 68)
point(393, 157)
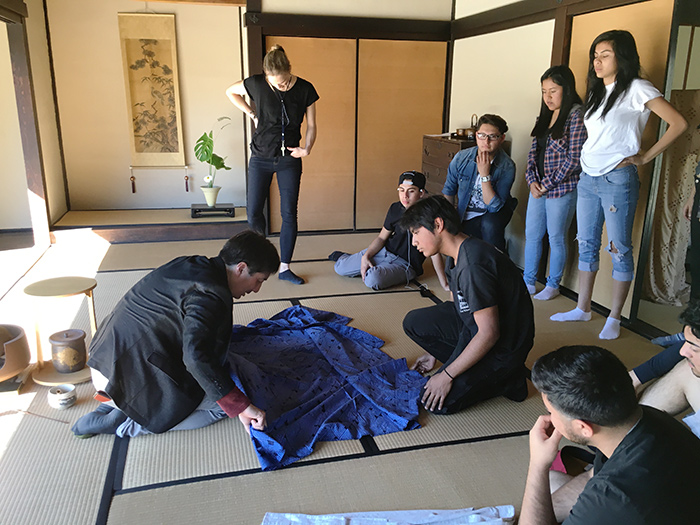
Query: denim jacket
point(462, 173)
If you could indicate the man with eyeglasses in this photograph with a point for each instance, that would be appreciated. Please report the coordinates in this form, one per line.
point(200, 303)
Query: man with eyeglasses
point(481, 178)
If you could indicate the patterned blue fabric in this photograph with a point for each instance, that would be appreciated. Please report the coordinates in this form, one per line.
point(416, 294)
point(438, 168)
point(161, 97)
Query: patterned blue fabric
point(319, 380)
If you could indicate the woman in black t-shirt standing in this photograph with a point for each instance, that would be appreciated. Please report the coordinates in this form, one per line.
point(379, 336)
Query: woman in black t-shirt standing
point(281, 101)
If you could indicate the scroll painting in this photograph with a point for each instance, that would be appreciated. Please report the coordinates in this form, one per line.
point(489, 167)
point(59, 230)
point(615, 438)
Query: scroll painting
point(149, 55)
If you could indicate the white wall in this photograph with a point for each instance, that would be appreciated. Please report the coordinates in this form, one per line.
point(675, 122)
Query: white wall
point(471, 7)
point(14, 205)
point(405, 9)
point(93, 109)
point(500, 73)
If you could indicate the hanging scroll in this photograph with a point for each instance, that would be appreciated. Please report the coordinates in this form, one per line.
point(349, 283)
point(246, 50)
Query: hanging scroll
point(149, 56)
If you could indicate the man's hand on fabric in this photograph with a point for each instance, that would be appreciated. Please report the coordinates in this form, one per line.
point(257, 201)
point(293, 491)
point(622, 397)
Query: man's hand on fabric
point(544, 443)
point(253, 416)
point(436, 390)
point(424, 364)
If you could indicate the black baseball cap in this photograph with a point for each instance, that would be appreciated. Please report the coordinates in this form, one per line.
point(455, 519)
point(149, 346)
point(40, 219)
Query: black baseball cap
point(415, 178)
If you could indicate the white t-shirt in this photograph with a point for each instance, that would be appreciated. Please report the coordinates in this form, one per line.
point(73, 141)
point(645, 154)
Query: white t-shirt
point(619, 134)
point(476, 205)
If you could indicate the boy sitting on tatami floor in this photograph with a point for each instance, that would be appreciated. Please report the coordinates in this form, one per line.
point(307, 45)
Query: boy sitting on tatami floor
point(391, 258)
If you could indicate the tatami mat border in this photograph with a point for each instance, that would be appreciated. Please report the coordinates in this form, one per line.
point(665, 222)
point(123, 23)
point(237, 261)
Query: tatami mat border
point(336, 459)
point(113, 479)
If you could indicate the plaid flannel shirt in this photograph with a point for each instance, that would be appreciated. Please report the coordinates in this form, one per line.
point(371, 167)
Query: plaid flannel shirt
point(562, 165)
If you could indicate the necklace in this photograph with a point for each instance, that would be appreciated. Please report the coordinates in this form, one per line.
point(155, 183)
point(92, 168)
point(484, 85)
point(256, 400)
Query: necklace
point(284, 117)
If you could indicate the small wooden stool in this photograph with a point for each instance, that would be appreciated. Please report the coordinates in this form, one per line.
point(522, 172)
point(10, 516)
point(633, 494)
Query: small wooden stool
point(46, 374)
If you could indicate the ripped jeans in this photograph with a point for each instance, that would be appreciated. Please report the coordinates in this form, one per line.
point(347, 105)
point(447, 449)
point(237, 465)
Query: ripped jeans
point(610, 199)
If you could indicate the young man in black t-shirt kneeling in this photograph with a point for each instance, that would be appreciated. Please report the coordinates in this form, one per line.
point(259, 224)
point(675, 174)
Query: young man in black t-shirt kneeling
point(484, 335)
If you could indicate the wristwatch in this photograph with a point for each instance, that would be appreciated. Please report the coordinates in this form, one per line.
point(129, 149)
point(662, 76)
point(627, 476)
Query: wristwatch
point(486, 179)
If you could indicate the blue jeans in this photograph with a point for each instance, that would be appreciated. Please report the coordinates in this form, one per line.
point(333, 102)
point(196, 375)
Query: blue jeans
point(610, 199)
point(491, 226)
point(388, 269)
point(553, 217)
point(260, 171)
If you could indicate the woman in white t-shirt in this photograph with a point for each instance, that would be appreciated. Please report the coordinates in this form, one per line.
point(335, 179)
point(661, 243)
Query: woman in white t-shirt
point(618, 104)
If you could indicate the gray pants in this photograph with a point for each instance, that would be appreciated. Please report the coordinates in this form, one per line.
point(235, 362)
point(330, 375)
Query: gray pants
point(388, 269)
point(206, 413)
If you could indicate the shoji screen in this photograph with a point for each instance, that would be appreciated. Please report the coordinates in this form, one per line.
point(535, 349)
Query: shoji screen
point(328, 180)
point(400, 98)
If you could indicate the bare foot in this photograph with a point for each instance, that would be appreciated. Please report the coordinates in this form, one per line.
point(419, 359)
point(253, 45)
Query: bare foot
point(424, 364)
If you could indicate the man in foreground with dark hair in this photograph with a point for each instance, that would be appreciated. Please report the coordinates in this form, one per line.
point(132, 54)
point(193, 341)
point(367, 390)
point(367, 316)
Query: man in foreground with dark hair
point(159, 358)
point(646, 462)
point(484, 336)
point(677, 385)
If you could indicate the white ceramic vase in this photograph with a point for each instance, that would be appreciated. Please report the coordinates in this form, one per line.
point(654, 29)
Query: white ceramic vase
point(210, 194)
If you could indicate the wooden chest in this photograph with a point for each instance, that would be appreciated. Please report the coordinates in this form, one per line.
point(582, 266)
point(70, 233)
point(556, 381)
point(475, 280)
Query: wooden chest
point(438, 152)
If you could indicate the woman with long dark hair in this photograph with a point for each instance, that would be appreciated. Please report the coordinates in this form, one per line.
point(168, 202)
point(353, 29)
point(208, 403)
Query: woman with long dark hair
point(281, 101)
point(552, 174)
point(618, 105)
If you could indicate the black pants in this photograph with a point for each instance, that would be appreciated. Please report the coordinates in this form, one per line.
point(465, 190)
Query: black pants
point(440, 332)
point(695, 242)
point(260, 171)
point(491, 227)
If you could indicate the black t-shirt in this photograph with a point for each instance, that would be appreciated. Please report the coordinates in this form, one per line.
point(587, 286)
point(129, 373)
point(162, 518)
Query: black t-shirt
point(400, 241)
point(484, 277)
point(541, 148)
point(651, 477)
point(267, 139)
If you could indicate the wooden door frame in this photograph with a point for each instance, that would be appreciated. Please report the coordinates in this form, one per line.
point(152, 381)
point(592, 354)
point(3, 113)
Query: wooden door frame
point(14, 14)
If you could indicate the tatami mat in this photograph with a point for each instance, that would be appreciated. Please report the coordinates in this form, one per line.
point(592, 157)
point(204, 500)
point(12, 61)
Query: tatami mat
point(456, 476)
point(321, 280)
point(153, 254)
point(212, 475)
point(631, 348)
point(494, 417)
point(48, 475)
point(245, 313)
point(159, 458)
point(381, 315)
point(320, 246)
point(82, 219)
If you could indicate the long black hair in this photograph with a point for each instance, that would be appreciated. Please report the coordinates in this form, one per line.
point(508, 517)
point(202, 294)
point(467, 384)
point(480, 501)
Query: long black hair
point(561, 76)
point(628, 68)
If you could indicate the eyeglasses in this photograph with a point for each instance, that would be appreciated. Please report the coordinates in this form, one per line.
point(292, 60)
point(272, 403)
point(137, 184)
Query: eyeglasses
point(485, 136)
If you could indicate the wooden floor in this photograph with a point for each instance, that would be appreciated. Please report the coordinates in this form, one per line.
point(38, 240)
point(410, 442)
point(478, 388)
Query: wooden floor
point(475, 458)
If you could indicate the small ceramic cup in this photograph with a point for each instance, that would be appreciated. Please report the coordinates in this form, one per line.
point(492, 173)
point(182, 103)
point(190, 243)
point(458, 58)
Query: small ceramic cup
point(62, 396)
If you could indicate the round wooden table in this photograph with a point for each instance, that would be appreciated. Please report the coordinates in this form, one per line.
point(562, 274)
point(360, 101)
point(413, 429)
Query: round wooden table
point(46, 374)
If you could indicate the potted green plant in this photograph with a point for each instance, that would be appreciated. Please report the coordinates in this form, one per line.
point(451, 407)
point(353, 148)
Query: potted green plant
point(204, 151)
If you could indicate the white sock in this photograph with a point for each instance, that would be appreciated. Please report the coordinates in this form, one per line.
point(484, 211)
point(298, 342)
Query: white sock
point(547, 294)
point(531, 289)
point(611, 330)
point(572, 315)
point(283, 267)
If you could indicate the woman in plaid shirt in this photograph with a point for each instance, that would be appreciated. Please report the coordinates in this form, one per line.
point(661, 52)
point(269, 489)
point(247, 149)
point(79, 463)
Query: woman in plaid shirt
point(552, 174)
